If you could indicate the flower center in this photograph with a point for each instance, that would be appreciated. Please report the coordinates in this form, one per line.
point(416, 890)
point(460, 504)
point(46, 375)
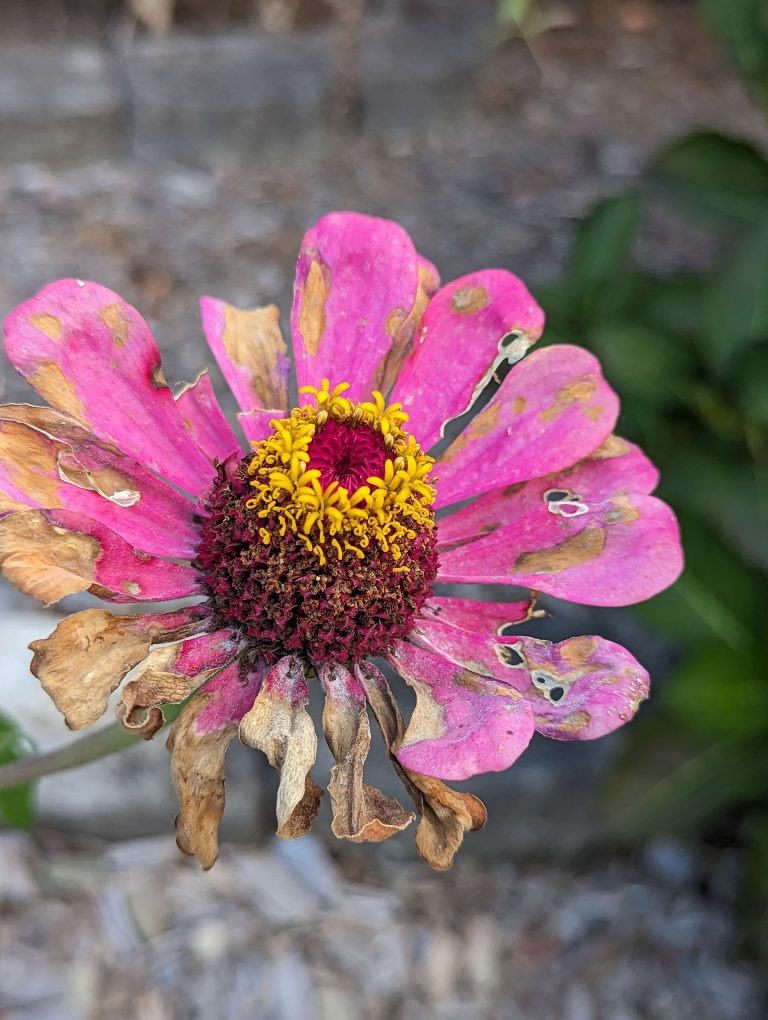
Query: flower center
point(323, 541)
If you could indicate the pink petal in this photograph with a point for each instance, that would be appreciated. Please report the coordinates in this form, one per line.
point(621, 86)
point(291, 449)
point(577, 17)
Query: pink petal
point(469, 328)
point(578, 689)
point(463, 723)
point(90, 354)
point(125, 574)
point(471, 614)
point(205, 421)
point(257, 425)
point(589, 534)
point(356, 283)
point(232, 694)
point(48, 461)
point(552, 409)
point(250, 350)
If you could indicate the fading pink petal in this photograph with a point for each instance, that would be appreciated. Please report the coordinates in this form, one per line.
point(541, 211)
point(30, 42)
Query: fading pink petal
point(123, 573)
point(553, 408)
point(588, 534)
point(469, 328)
point(463, 723)
point(90, 354)
point(356, 284)
point(488, 617)
point(231, 694)
point(578, 689)
point(250, 350)
point(205, 421)
point(47, 461)
point(257, 425)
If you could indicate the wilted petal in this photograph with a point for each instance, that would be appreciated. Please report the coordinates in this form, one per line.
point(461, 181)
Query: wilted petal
point(463, 723)
point(168, 675)
point(356, 284)
point(578, 689)
point(472, 614)
point(205, 421)
point(51, 553)
point(280, 726)
point(445, 814)
point(361, 813)
point(198, 742)
point(471, 326)
point(250, 350)
point(86, 657)
point(91, 355)
point(588, 534)
point(552, 409)
point(48, 461)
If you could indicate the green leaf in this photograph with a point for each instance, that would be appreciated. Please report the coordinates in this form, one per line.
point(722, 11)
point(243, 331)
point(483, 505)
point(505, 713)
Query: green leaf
point(720, 178)
point(664, 787)
point(719, 597)
point(643, 363)
point(742, 26)
point(720, 694)
point(736, 307)
point(675, 305)
point(16, 805)
point(600, 256)
point(753, 386)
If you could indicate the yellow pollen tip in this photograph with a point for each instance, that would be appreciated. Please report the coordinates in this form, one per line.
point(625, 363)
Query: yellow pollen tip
point(388, 510)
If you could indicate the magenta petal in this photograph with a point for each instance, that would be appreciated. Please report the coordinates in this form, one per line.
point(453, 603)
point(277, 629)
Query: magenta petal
point(257, 425)
point(553, 408)
point(356, 283)
point(589, 534)
point(205, 421)
point(90, 354)
point(463, 723)
point(250, 350)
point(232, 694)
point(488, 617)
point(578, 689)
point(470, 326)
point(50, 462)
point(124, 573)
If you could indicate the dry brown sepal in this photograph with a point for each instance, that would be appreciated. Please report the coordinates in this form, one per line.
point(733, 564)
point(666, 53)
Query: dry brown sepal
point(445, 813)
point(197, 770)
point(87, 656)
point(45, 561)
point(361, 813)
point(283, 729)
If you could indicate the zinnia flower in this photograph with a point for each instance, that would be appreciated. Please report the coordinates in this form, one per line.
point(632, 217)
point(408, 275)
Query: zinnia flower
point(318, 549)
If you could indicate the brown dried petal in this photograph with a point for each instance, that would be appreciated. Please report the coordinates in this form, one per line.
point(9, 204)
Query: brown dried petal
point(45, 561)
point(155, 684)
point(86, 657)
point(361, 813)
point(197, 770)
point(280, 726)
point(445, 813)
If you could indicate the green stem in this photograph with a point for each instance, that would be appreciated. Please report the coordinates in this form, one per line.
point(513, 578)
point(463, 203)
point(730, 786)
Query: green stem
point(91, 747)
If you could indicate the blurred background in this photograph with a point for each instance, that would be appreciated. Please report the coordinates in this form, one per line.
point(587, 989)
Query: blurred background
point(610, 152)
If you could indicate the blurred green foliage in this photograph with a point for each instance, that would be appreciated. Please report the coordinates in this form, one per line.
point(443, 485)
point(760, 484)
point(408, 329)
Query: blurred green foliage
point(688, 353)
point(742, 27)
point(17, 806)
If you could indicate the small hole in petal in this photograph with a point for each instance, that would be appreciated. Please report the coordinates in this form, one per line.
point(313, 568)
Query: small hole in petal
point(557, 495)
point(556, 693)
point(509, 655)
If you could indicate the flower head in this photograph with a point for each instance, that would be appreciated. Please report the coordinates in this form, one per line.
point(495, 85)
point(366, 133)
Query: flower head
point(315, 547)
